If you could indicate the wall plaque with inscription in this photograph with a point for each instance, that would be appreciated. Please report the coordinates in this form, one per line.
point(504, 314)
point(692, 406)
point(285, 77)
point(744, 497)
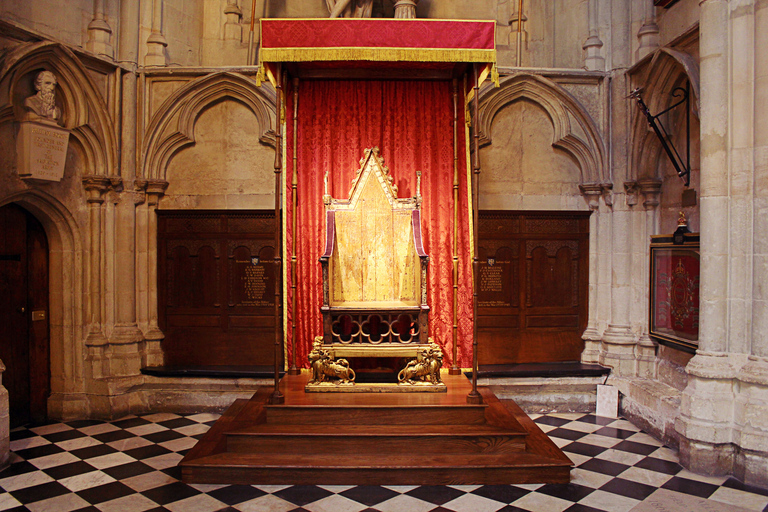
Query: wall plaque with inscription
point(41, 150)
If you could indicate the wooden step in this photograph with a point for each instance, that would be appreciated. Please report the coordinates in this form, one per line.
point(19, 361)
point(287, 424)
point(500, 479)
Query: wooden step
point(376, 414)
point(375, 439)
point(345, 469)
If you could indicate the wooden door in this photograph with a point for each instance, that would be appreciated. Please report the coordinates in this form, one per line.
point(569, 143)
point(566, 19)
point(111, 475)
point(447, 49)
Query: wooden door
point(532, 298)
point(216, 287)
point(24, 314)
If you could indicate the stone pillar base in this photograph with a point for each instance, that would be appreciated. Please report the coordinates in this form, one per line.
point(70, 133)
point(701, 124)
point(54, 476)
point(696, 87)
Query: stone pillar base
point(706, 458)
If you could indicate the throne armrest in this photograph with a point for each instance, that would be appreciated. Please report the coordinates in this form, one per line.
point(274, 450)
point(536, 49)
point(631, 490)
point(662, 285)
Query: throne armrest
point(330, 234)
point(418, 244)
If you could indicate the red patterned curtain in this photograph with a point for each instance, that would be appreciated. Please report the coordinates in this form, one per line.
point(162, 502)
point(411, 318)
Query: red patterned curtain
point(412, 123)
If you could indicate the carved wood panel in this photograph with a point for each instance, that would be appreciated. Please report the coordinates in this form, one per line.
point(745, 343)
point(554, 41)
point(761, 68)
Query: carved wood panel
point(216, 287)
point(532, 296)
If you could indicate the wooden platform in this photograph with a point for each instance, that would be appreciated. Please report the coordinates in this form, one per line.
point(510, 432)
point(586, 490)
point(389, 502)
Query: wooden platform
point(374, 439)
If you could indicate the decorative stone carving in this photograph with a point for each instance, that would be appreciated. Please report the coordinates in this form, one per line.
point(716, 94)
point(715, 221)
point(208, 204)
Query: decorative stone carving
point(42, 105)
point(405, 8)
point(325, 370)
point(425, 369)
point(350, 8)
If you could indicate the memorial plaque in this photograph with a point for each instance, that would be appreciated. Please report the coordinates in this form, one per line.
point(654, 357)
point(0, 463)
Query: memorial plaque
point(495, 279)
point(41, 150)
point(253, 282)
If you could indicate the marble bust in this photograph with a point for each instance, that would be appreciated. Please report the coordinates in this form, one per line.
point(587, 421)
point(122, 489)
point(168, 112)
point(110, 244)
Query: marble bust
point(42, 105)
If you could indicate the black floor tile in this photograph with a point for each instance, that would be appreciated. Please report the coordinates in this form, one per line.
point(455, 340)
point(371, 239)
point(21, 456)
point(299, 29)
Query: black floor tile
point(115, 435)
point(502, 493)
point(90, 452)
point(633, 447)
point(551, 420)
point(589, 450)
point(578, 507)
point(67, 470)
point(234, 494)
point(369, 494)
point(568, 492)
point(39, 492)
point(616, 433)
point(735, 483)
point(177, 423)
point(83, 423)
point(147, 452)
point(564, 433)
point(693, 487)
point(173, 472)
point(128, 470)
point(170, 493)
point(596, 420)
point(161, 437)
point(302, 494)
point(64, 435)
point(634, 490)
point(17, 468)
point(605, 467)
point(39, 451)
point(15, 435)
point(106, 492)
point(512, 508)
point(437, 494)
point(131, 422)
point(659, 465)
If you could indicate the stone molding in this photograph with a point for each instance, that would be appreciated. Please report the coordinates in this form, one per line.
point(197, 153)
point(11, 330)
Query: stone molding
point(575, 132)
point(173, 125)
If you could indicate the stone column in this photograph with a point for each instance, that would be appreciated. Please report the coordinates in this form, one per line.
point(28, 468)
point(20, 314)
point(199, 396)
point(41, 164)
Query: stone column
point(233, 30)
point(152, 353)
point(405, 8)
point(591, 335)
point(707, 406)
point(650, 189)
point(95, 187)
point(99, 32)
point(5, 434)
point(648, 35)
point(156, 41)
point(593, 46)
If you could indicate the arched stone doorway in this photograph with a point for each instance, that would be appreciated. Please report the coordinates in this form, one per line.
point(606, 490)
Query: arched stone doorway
point(24, 313)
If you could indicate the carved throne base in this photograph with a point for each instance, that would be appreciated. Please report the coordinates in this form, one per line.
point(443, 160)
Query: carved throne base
point(330, 372)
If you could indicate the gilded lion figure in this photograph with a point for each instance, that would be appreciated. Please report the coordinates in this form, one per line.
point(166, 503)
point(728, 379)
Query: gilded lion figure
point(425, 369)
point(327, 370)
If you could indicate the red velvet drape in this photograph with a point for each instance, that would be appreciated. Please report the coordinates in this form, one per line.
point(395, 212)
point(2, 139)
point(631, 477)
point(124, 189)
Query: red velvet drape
point(412, 123)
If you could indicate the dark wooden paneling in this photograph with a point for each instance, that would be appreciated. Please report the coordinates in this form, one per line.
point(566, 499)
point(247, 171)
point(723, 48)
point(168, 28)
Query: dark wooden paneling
point(216, 283)
point(532, 301)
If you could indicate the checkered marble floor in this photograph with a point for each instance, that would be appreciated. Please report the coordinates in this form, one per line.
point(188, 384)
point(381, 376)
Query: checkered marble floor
point(130, 466)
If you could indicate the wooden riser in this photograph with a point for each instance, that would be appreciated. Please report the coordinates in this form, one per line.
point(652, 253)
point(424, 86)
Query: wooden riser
point(376, 415)
point(374, 445)
point(377, 476)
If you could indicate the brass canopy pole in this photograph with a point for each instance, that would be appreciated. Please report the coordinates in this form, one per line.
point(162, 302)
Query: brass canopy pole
point(277, 397)
point(455, 370)
point(474, 397)
point(250, 34)
point(293, 370)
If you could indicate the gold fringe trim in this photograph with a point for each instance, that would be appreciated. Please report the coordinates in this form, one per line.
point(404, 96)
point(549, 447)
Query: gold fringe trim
point(377, 54)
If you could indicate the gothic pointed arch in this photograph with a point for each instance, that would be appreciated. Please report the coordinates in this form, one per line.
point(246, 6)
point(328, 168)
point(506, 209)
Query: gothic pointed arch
point(173, 126)
point(84, 110)
point(575, 132)
point(65, 298)
point(666, 69)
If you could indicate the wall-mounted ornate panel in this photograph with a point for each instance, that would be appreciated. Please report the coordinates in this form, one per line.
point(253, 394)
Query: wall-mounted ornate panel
point(216, 287)
point(532, 299)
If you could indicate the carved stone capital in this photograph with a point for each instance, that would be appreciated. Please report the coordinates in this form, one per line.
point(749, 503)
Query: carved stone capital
point(592, 193)
point(96, 186)
point(651, 190)
point(607, 193)
point(155, 189)
point(116, 182)
point(630, 187)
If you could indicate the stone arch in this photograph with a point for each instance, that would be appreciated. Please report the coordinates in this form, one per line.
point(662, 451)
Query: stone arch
point(65, 300)
point(575, 132)
point(173, 126)
point(668, 68)
point(84, 110)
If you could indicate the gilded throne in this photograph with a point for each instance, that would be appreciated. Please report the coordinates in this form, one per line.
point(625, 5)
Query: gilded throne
point(374, 277)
